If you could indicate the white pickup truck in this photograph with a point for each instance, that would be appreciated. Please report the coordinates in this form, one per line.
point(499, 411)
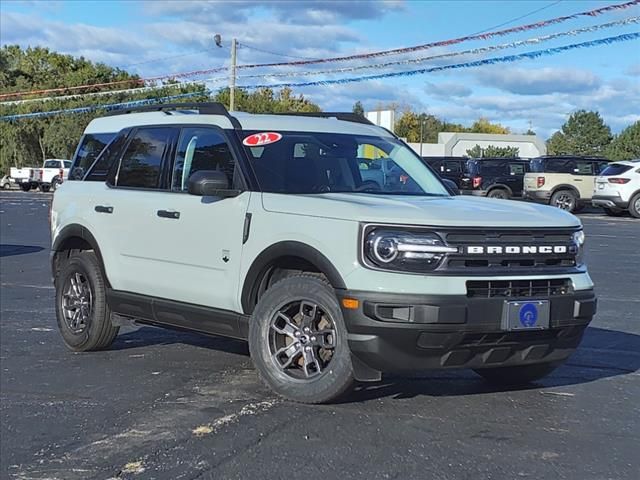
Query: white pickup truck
point(22, 177)
point(53, 172)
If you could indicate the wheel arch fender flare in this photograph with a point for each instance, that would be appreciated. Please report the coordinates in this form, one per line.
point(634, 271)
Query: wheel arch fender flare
point(64, 239)
point(269, 256)
point(500, 186)
point(565, 186)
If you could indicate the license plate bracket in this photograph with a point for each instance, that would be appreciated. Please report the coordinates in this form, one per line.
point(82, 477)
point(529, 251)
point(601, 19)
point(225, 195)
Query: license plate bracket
point(525, 315)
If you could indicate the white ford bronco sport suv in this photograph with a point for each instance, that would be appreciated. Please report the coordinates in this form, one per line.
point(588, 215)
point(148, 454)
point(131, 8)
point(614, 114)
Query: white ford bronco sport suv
point(260, 227)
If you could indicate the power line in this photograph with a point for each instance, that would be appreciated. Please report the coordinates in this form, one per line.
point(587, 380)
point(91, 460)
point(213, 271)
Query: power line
point(473, 51)
point(483, 36)
point(250, 47)
point(518, 18)
point(490, 61)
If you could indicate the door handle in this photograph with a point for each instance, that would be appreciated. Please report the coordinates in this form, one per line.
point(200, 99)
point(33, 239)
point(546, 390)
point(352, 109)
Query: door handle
point(168, 214)
point(103, 209)
point(577, 179)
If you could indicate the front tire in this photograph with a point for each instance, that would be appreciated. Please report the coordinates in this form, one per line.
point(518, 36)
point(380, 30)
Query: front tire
point(25, 187)
point(634, 206)
point(298, 340)
point(520, 375)
point(83, 316)
point(565, 200)
point(44, 188)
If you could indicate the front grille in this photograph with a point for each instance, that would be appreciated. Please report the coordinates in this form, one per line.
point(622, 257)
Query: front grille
point(507, 239)
point(519, 288)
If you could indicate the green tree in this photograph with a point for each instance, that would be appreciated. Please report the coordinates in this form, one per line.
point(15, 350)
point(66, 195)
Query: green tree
point(492, 151)
point(483, 125)
point(358, 109)
point(584, 133)
point(626, 145)
point(265, 100)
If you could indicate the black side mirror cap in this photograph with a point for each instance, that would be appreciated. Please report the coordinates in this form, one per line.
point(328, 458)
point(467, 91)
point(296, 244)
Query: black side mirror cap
point(210, 183)
point(451, 186)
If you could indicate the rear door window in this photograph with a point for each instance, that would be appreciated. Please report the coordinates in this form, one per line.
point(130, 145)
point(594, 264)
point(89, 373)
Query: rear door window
point(560, 165)
point(141, 164)
point(584, 167)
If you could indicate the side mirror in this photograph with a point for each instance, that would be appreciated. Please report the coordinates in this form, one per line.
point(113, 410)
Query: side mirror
point(210, 183)
point(451, 186)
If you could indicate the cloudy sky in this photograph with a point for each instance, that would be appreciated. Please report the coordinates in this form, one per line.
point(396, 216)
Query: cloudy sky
point(156, 38)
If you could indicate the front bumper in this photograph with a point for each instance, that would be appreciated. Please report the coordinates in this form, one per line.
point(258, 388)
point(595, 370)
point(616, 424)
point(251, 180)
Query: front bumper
point(541, 196)
point(609, 201)
point(401, 332)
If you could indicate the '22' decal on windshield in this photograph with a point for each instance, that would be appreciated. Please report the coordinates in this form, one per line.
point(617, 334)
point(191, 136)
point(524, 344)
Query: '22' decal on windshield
point(260, 139)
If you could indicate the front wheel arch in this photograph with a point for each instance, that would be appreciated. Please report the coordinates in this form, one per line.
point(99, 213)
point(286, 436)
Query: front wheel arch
point(288, 255)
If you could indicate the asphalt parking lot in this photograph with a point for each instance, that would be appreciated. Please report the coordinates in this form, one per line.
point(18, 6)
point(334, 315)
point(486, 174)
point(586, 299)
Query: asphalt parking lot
point(170, 405)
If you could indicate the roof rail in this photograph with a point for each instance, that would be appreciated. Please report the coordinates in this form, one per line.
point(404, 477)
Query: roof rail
point(203, 108)
point(344, 116)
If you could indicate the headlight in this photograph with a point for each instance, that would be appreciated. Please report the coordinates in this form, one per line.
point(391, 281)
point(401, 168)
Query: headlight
point(400, 250)
point(579, 238)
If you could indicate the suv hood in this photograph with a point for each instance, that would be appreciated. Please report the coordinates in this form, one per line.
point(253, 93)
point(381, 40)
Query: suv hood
point(458, 211)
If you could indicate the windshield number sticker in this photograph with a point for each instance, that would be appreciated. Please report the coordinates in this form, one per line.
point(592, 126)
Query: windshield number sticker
point(261, 139)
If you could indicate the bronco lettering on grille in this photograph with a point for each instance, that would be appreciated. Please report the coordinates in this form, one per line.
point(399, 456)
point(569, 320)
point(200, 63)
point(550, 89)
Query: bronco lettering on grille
point(516, 249)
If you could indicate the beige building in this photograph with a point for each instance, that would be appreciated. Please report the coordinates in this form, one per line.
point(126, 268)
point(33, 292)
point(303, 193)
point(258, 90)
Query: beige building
point(452, 144)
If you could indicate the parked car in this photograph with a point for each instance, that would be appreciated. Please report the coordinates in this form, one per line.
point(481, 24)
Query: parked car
point(53, 172)
point(495, 177)
point(7, 182)
point(618, 188)
point(261, 227)
point(451, 168)
point(23, 177)
point(565, 182)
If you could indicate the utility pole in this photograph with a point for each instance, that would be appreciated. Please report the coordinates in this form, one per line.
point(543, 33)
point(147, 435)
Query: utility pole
point(232, 79)
point(421, 134)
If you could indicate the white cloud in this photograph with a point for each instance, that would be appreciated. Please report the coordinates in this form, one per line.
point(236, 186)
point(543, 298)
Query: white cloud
point(447, 90)
point(538, 81)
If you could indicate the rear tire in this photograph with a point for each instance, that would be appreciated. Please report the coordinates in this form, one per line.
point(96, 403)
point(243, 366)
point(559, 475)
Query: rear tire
point(565, 200)
point(82, 312)
point(44, 188)
point(25, 187)
point(613, 212)
point(55, 183)
point(499, 193)
point(634, 206)
point(521, 375)
point(298, 340)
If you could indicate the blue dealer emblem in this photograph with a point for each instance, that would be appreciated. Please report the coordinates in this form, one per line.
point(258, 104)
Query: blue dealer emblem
point(528, 315)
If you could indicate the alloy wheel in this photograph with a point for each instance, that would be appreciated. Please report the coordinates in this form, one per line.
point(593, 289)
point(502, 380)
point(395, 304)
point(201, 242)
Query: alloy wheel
point(77, 300)
point(302, 339)
point(564, 202)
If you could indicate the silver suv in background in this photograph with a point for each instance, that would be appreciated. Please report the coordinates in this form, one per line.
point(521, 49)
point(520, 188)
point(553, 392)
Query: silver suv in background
point(618, 188)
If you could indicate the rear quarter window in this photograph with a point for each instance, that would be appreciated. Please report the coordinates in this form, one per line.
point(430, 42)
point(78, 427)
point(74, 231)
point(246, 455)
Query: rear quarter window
point(615, 169)
point(91, 145)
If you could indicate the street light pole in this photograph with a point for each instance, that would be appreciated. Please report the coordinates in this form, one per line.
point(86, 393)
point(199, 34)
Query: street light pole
point(421, 134)
point(232, 79)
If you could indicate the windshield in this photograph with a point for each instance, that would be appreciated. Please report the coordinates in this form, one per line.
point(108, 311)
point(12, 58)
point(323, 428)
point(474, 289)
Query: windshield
point(320, 162)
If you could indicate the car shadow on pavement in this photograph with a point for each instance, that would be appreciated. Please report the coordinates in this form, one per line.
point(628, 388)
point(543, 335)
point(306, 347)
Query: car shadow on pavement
point(147, 336)
point(7, 250)
point(603, 353)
